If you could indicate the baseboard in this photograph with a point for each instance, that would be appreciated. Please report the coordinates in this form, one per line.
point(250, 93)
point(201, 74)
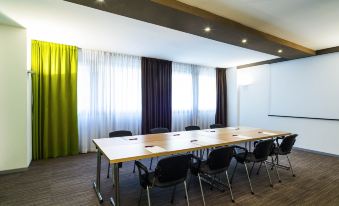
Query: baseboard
point(315, 152)
point(13, 171)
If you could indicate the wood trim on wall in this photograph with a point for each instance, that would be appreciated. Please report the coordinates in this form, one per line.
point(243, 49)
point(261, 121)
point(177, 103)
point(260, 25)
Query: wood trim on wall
point(327, 50)
point(277, 60)
point(299, 117)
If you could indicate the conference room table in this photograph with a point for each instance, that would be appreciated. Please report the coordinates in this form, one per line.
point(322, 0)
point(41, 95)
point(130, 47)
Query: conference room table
point(130, 148)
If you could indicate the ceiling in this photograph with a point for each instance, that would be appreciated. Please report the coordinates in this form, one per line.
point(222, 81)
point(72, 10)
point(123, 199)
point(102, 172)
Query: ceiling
point(68, 23)
point(311, 23)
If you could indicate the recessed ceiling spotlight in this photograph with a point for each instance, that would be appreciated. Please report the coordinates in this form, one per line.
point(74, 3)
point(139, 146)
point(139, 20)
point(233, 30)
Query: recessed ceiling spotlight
point(280, 51)
point(101, 1)
point(207, 29)
point(244, 41)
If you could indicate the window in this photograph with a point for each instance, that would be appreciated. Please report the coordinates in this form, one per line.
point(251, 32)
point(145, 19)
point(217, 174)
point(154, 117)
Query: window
point(109, 95)
point(193, 96)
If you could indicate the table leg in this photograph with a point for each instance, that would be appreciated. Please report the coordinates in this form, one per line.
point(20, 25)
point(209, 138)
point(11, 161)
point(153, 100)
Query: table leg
point(116, 191)
point(96, 184)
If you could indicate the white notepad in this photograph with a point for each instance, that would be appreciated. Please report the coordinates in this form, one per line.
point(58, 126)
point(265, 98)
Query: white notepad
point(269, 133)
point(200, 143)
point(155, 149)
point(243, 137)
point(235, 128)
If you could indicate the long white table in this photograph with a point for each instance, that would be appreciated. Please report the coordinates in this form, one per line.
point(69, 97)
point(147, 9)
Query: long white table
point(130, 148)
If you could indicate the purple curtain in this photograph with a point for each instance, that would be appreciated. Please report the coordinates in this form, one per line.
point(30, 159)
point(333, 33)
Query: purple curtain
point(156, 81)
point(221, 111)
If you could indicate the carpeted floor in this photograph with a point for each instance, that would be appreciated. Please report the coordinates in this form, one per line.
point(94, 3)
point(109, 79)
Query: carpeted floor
point(68, 181)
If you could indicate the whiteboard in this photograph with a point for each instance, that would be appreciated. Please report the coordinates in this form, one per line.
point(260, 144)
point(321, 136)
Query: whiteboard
point(307, 87)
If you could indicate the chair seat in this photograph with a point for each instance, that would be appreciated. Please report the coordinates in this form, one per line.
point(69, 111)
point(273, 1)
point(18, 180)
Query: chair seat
point(278, 151)
point(241, 157)
point(249, 158)
point(157, 183)
point(205, 169)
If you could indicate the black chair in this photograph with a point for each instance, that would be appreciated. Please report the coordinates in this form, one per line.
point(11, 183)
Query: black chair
point(284, 149)
point(157, 130)
point(259, 155)
point(214, 126)
point(118, 133)
point(217, 163)
point(169, 172)
point(190, 128)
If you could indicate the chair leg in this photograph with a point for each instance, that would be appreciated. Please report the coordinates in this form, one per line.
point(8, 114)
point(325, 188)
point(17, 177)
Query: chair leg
point(134, 167)
point(252, 169)
point(248, 177)
point(259, 168)
point(212, 183)
point(202, 192)
point(229, 186)
point(173, 194)
point(289, 162)
point(268, 174)
point(189, 181)
point(141, 190)
point(276, 171)
point(150, 165)
point(148, 196)
point(235, 169)
point(188, 202)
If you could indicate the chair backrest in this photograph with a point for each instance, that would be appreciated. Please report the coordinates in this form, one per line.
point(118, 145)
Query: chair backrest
point(220, 158)
point(159, 130)
point(263, 149)
point(213, 126)
point(190, 128)
point(287, 143)
point(120, 133)
point(173, 168)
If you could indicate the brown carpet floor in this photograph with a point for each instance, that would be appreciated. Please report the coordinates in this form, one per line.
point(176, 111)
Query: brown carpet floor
point(68, 181)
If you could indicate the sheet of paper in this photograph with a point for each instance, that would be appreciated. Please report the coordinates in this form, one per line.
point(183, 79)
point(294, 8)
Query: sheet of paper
point(243, 137)
point(200, 143)
point(155, 149)
point(269, 133)
point(235, 128)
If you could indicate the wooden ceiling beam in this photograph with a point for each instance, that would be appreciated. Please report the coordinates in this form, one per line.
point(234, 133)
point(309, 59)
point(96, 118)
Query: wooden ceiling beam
point(277, 60)
point(182, 17)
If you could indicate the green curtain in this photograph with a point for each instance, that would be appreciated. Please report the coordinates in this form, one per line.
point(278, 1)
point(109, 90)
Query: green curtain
point(54, 86)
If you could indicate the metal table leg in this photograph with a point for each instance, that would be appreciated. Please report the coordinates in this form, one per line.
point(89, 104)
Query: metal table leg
point(115, 200)
point(96, 184)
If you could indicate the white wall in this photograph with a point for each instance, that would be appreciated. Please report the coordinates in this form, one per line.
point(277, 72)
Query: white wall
point(13, 99)
point(308, 81)
point(317, 135)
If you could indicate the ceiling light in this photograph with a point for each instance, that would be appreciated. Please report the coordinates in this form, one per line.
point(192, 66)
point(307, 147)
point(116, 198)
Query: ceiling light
point(101, 1)
point(280, 51)
point(244, 41)
point(207, 29)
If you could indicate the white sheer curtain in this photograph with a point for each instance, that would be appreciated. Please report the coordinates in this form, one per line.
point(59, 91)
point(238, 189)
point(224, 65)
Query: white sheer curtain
point(193, 96)
point(207, 96)
point(182, 96)
point(109, 95)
